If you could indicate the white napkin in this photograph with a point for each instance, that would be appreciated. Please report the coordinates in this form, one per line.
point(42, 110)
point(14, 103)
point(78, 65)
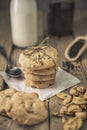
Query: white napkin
point(63, 81)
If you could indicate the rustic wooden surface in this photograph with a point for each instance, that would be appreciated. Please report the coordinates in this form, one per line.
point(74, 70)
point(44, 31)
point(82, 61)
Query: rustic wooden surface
point(79, 69)
point(5, 41)
point(80, 22)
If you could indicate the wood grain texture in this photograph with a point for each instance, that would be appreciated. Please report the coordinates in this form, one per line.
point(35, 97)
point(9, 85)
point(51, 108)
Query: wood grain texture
point(55, 103)
point(5, 41)
point(8, 124)
point(84, 63)
point(15, 55)
point(80, 22)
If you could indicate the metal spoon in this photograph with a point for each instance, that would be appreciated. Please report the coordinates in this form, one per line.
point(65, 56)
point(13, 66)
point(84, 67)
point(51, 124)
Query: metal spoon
point(11, 70)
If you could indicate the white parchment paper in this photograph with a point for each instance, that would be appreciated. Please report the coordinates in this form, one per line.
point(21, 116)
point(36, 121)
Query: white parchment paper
point(63, 81)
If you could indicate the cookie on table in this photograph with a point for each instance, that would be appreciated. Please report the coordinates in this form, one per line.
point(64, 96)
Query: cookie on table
point(39, 57)
point(25, 108)
point(5, 98)
point(39, 84)
point(47, 71)
point(40, 77)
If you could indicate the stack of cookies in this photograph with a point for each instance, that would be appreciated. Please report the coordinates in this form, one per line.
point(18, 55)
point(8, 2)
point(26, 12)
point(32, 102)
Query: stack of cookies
point(39, 66)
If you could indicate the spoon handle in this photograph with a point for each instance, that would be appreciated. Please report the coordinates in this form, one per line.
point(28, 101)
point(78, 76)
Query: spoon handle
point(3, 52)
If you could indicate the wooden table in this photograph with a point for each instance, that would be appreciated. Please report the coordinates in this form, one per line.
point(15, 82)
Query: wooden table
point(79, 69)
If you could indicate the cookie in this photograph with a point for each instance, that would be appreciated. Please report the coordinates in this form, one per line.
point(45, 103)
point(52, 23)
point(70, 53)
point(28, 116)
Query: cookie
point(39, 57)
point(5, 98)
point(25, 108)
point(47, 71)
point(39, 84)
point(40, 77)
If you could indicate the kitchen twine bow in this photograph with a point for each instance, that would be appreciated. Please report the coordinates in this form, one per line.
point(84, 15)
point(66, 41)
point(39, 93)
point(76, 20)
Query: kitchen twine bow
point(30, 50)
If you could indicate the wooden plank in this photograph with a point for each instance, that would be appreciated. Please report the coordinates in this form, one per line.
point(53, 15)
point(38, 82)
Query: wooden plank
point(84, 63)
point(55, 103)
point(80, 22)
point(5, 27)
point(8, 124)
point(3, 62)
point(5, 41)
point(15, 56)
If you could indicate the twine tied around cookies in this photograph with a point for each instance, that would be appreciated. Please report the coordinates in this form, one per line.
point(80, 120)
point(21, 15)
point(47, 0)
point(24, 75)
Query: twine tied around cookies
point(36, 48)
point(30, 50)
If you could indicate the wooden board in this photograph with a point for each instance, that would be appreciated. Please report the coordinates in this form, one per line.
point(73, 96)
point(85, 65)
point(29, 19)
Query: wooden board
point(5, 41)
point(80, 22)
point(84, 64)
point(8, 124)
point(55, 103)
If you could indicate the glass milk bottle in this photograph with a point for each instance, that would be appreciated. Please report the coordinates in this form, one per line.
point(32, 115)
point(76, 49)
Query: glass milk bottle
point(24, 24)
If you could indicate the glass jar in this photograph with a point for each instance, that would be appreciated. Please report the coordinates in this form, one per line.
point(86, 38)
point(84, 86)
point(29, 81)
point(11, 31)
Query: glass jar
point(24, 23)
point(60, 17)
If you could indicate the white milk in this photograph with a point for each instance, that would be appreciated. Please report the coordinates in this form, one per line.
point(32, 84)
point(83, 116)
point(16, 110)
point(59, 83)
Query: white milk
point(24, 22)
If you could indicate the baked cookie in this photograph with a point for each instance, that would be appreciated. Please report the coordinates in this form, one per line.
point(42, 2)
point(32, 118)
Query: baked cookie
point(25, 108)
point(39, 84)
point(47, 71)
point(5, 98)
point(39, 57)
point(40, 77)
